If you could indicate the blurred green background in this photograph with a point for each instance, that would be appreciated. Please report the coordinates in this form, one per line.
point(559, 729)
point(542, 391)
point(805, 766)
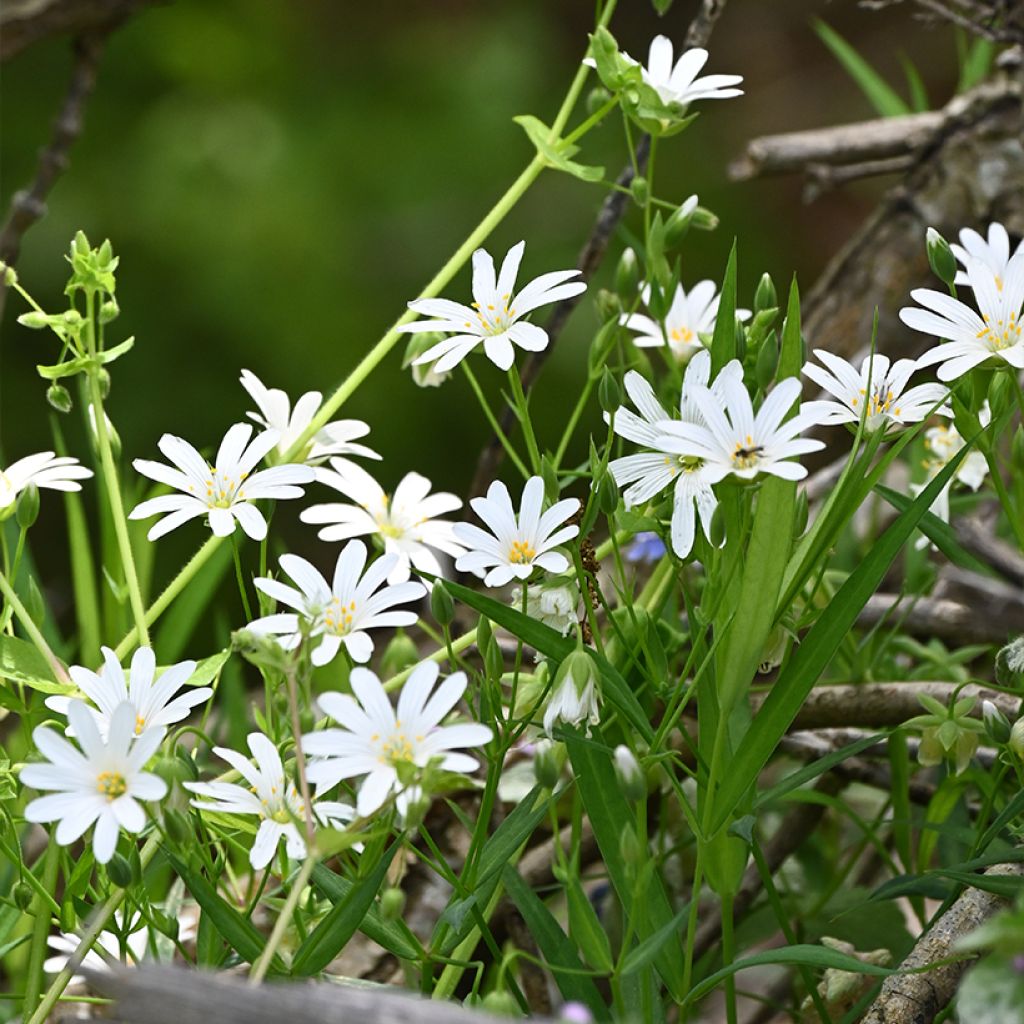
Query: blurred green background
point(280, 178)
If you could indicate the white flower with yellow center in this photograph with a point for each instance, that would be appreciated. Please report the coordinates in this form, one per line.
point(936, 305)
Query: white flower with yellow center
point(340, 613)
point(390, 746)
point(994, 251)
point(223, 492)
point(276, 413)
point(406, 521)
point(44, 469)
point(992, 332)
point(878, 386)
point(269, 795)
point(516, 545)
point(102, 782)
point(666, 463)
point(736, 442)
point(153, 699)
point(691, 314)
point(495, 317)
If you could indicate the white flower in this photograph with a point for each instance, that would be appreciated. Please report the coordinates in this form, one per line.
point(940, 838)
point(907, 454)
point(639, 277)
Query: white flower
point(972, 338)
point(691, 314)
point(406, 522)
point(942, 443)
point(994, 253)
point(153, 699)
point(574, 698)
point(270, 796)
point(224, 491)
point(554, 604)
point(100, 783)
point(649, 473)
point(738, 443)
point(276, 413)
point(496, 315)
point(878, 384)
point(516, 546)
point(106, 948)
point(340, 612)
point(44, 470)
point(376, 742)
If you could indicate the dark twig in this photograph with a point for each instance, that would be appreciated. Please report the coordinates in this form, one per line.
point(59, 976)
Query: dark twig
point(591, 256)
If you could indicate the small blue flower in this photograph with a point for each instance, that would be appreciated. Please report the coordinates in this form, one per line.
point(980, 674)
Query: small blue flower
point(646, 547)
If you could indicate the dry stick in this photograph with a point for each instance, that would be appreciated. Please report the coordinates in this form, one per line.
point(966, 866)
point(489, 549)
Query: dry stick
point(945, 619)
point(917, 998)
point(591, 256)
point(29, 204)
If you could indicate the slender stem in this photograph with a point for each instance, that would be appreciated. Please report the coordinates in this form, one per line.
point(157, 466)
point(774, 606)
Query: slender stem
point(458, 645)
point(570, 427)
point(113, 486)
point(493, 421)
point(300, 763)
point(40, 930)
point(524, 418)
point(37, 638)
point(262, 965)
point(240, 577)
point(728, 955)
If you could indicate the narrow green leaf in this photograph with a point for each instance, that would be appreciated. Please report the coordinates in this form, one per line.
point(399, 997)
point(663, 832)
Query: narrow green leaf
point(373, 926)
point(181, 619)
point(723, 341)
point(886, 101)
point(817, 649)
point(21, 663)
point(238, 931)
point(556, 151)
point(329, 937)
point(584, 926)
point(919, 101)
point(553, 944)
point(799, 956)
point(645, 953)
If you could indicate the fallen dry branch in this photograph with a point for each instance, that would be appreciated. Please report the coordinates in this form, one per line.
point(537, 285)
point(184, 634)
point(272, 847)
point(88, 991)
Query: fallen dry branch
point(917, 998)
point(952, 622)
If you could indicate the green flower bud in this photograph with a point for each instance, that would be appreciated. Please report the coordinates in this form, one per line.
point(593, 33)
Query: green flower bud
point(703, 219)
point(631, 778)
point(548, 761)
point(119, 871)
point(401, 653)
point(627, 274)
point(442, 607)
point(23, 895)
point(392, 903)
point(609, 394)
point(10, 275)
point(103, 376)
point(940, 257)
point(765, 297)
point(597, 98)
point(501, 1003)
point(608, 305)
point(1016, 741)
point(28, 507)
point(678, 222)
point(164, 923)
point(997, 725)
point(177, 827)
point(629, 847)
point(109, 311)
point(640, 189)
point(607, 493)
point(34, 320)
point(59, 397)
point(73, 320)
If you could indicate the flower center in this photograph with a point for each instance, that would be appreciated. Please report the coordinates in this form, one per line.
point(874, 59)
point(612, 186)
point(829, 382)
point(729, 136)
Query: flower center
point(521, 552)
point(223, 491)
point(683, 464)
point(681, 335)
point(111, 785)
point(747, 456)
point(140, 725)
point(492, 318)
point(339, 617)
point(397, 750)
point(1005, 333)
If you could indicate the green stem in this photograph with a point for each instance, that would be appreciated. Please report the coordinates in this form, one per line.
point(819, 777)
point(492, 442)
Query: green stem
point(458, 645)
point(32, 630)
point(40, 930)
point(240, 577)
point(523, 409)
point(728, 955)
point(262, 965)
point(91, 934)
point(492, 420)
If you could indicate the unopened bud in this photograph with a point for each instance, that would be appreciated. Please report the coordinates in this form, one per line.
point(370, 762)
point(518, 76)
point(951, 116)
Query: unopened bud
point(627, 274)
point(109, 311)
point(392, 903)
point(1001, 392)
point(940, 257)
point(629, 847)
point(103, 376)
point(607, 493)
point(119, 871)
point(59, 397)
point(678, 222)
point(640, 190)
point(10, 275)
point(766, 296)
point(23, 896)
point(630, 776)
point(28, 507)
point(34, 320)
point(1016, 741)
point(442, 607)
point(703, 219)
point(609, 306)
point(548, 761)
point(401, 653)
point(501, 1003)
point(484, 634)
point(609, 394)
point(996, 723)
point(597, 98)
point(72, 319)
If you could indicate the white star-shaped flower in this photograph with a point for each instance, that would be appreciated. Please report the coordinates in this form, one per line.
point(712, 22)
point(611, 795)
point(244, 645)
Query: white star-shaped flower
point(496, 314)
point(276, 413)
point(691, 314)
point(270, 796)
point(223, 492)
point(994, 251)
point(992, 332)
point(736, 442)
point(44, 469)
point(381, 744)
point(516, 545)
point(153, 699)
point(646, 474)
point(878, 385)
point(340, 612)
point(406, 521)
point(102, 782)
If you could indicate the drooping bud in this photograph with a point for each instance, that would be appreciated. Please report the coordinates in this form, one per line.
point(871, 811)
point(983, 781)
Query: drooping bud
point(34, 320)
point(640, 189)
point(119, 871)
point(940, 257)
point(23, 896)
point(609, 306)
point(59, 397)
point(28, 507)
point(574, 694)
point(630, 775)
point(627, 274)
point(607, 493)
